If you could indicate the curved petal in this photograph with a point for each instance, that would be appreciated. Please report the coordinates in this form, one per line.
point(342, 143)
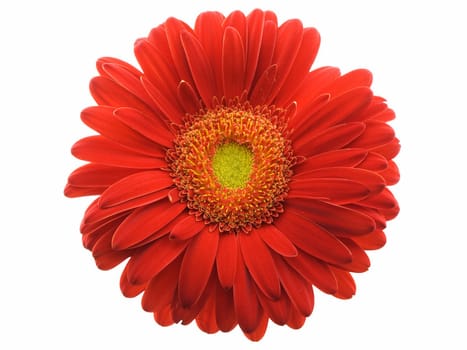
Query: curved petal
point(197, 266)
point(144, 222)
point(135, 186)
point(233, 63)
point(260, 264)
point(334, 218)
point(347, 157)
point(98, 175)
point(226, 260)
point(225, 310)
point(187, 228)
point(277, 241)
point(98, 149)
point(312, 239)
point(149, 262)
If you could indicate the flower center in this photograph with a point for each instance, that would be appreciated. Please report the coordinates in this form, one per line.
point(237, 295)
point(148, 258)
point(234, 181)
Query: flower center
point(232, 165)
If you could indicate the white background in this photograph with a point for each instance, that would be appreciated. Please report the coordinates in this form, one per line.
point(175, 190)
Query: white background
point(51, 294)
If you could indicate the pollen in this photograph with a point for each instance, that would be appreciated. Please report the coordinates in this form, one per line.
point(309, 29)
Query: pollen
point(232, 165)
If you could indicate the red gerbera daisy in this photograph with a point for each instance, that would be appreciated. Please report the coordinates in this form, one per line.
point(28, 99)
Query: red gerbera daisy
point(232, 178)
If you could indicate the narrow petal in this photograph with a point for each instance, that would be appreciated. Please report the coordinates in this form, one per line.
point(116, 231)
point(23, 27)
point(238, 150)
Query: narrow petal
point(187, 228)
point(130, 289)
point(188, 97)
point(372, 241)
point(335, 112)
point(260, 264)
point(268, 44)
point(360, 261)
point(98, 175)
point(347, 157)
point(374, 162)
point(334, 138)
point(376, 134)
point(162, 288)
point(277, 241)
point(373, 181)
point(106, 92)
point(382, 200)
point(345, 283)
point(255, 26)
point(144, 222)
point(233, 63)
point(199, 66)
point(335, 190)
point(151, 261)
point(391, 174)
point(135, 186)
point(164, 317)
point(226, 260)
point(152, 127)
point(225, 310)
point(312, 239)
point(258, 333)
point(197, 266)
point(278, 310)
point(297, 288)
point(263, 87)
point(314, 271)
point(334, 218)
point(301, 66)
point(206, 317)
point(289, 39)
point(246, 302)
point(355, 78)
point(388, 150)
point(98, 149)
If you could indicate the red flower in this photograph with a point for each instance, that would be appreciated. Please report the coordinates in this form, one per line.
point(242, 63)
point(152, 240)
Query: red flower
point(233, 178)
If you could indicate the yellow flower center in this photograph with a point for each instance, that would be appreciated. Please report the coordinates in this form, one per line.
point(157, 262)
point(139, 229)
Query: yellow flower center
point(232, 164)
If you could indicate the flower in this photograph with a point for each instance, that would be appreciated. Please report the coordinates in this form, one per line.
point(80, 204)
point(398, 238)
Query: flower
point(234, 179)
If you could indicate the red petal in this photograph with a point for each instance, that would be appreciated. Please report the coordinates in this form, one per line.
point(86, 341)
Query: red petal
point(186, 228)
point(135, 186)
point(374, 162)
point(152, 127)
point(338, 110)
point(200, 67)
point(164, 316)
point(173, 29)
point(345, 283)
point(226, 260)
point(289, 39)
point(258, 333)
point(347, 157)
point(206, 317)
point(188, 97)
point(277, 241)
point(299, 291)
point(355, 78)
point(225, 310)
point(374, 182)
point(102, 120)
point(162, 288)
point(314, 271)
point(334, 218)
point(151, 261)
point(233, 63)
point(391, 174)
point(268, 44)
point(255, 25)
point(374, 240)
point(389, 150)
point(339, 191)
point(296, 319)
point(106, 92)
point(197, 266)
point(300, 67)
point(278, 310)
point(376, 134)
point(96, 215)
point(130, 290)
point(360, 261)
point(312, 239)
point(208, 28)
point(167, 106)
point(246, 303)
point(383, 200)
point(97, 175)
point(144, 222)
point(260, 264)
point(100, 150)
point(264, 85)
point(75, 191)
point(330, 139)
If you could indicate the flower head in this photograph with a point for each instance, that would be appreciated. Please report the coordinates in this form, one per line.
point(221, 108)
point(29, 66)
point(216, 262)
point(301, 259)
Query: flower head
point(234, 179)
